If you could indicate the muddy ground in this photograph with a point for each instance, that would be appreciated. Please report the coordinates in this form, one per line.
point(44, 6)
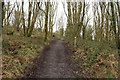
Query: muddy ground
point(54, 62)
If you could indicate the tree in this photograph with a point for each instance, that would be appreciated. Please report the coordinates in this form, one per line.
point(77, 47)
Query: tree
point(29, 16)
point(1, 18)
point(83, 20)
point(61, 24)
point(23, 20)
point(46, 20)
point(52, 16)
point(34, 17)
point(17, 17)
point(3, 11)
point(118, 36)
point(114, 22)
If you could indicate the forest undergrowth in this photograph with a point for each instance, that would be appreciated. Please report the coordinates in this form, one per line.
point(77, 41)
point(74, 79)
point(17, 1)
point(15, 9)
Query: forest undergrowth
point(18, 52)
point(96, 59)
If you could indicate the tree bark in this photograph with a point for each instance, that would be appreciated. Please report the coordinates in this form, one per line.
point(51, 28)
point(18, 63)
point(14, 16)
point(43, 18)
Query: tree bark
point(29, 17)
point(23, 20)
point(117, 35)
point(46, 21)
point(3, 12)
point(84, 27)
point(118, 25)
point(35, 13)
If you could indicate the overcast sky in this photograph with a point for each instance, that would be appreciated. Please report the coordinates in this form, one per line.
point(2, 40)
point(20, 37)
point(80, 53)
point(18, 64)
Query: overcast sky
point(60, 10)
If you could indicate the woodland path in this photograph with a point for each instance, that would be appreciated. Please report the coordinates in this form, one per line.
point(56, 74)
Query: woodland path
point(54, 63)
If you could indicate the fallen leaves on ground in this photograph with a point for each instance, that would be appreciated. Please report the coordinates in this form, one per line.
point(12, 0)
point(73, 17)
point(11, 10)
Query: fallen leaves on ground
point(18, 51)
point(96, 62)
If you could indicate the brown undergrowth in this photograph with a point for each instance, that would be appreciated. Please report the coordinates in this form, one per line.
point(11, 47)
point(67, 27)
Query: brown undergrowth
point(18, 52)
point(96, 60)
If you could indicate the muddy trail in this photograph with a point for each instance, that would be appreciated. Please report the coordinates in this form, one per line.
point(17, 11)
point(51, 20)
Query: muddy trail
point(54, 63)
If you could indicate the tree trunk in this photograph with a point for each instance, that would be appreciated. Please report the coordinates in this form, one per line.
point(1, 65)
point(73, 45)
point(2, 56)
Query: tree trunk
point(35, 13)
point(117, 35)
point(84, 27)
point(46, 21)
point(23, 20)
point(1, 19)
point(118, 26)
point(3, 12)
point(29, 17)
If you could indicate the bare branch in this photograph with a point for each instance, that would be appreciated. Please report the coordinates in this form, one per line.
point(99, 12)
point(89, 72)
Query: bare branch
point(40, 7)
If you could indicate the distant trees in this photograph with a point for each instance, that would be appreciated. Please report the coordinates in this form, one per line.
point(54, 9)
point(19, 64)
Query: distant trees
point(17, 17)
point(50, 10)
point(76, 20)
point(33, 12)
point(105, 21)
point(61, 26)
point(7, 12)
point(52, 16)
point(42, 13)
point(33, 20)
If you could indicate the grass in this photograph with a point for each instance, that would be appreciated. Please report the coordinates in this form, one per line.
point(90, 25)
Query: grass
point(97, 59)
point(18, 52)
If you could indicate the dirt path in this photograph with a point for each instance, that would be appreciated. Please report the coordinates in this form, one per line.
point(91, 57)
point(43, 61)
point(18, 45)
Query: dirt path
point(54, 63)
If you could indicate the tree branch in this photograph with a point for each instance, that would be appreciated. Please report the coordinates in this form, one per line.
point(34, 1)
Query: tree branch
point(40, 8)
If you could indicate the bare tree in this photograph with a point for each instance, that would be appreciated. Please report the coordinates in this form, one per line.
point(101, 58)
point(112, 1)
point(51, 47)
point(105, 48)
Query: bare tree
point(46, 19)
point(23, 19)
point(34, 17)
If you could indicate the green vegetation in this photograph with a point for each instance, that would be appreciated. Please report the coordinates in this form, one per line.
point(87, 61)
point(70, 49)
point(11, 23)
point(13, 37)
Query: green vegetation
point(92, 29)
point(98, 59)
point(24, 35)
point(18, 52)
point(96, 44)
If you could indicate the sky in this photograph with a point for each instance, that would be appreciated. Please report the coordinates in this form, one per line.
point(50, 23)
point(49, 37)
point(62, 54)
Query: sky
point(60, 10)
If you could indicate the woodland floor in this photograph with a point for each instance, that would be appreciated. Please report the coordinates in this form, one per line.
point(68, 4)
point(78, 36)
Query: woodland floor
point(55, 63)
point(31, 57)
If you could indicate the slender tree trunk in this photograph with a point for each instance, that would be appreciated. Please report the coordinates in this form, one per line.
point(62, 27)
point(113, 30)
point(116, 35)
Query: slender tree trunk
point(1, 19)
point(84, 27)
point(118, 26)
point(50, 22)
point(117, 35)
point(46, 21)
point(35, 13)
point(3, 12)
point(79, 27)
point(7, 19)
point(29, 17)
point(113, 18)
point(69, 22)
point(23, 20)
point(107, 28)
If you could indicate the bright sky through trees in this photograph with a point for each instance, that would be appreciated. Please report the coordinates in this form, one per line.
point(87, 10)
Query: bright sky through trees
point(60, 11)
